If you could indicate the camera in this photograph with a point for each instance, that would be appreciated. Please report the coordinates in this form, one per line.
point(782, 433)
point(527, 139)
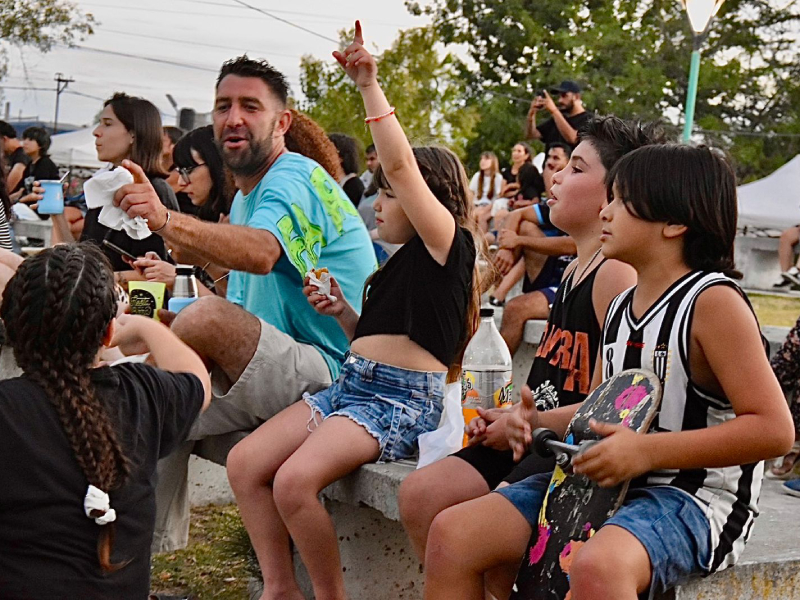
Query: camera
point(541, 94)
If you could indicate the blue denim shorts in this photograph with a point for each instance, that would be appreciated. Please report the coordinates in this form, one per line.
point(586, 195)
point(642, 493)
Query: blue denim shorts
point(394, 405)
point(667, 521)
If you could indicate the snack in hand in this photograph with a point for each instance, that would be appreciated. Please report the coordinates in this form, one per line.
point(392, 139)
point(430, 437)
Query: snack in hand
point(321, 279)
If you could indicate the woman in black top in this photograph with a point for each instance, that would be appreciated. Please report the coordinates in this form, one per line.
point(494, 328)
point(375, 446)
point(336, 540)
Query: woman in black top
point(129, 128)
point(521, 154)
point(80, 442)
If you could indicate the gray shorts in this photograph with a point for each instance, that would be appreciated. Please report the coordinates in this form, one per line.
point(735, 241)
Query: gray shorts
point(278, 375)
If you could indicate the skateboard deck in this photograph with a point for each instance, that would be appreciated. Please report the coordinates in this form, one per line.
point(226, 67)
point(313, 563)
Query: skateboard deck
point(575, 506)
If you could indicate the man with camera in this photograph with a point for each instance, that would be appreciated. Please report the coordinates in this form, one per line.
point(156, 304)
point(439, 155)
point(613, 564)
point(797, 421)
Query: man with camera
point(568, 115)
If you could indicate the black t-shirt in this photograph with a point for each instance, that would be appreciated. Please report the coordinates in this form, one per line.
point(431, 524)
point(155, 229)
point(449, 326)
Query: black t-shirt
point(354, 188)
point(49, 546)
point(414, 295)
point(42, 170)
point(565, 358)
point(93, 231)
point(15, 158)
point(551, 134)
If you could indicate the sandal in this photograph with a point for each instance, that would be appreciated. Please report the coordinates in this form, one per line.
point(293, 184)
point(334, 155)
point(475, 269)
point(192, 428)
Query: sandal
point(783, 468)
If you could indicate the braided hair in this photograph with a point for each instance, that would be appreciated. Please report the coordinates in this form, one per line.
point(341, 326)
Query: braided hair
point(56, 310)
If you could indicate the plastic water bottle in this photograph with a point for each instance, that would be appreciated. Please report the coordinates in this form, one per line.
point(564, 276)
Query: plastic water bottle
point(184, 291)
point(486, 369)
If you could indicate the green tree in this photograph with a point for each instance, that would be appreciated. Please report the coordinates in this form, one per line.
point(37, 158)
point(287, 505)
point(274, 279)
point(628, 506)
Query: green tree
point(425, 88)
point(42, 24)
point(632, 56)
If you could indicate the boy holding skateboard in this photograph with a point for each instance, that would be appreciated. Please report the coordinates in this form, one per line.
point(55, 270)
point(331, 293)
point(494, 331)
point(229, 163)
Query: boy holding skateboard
point(562, 370)
point(696, 479)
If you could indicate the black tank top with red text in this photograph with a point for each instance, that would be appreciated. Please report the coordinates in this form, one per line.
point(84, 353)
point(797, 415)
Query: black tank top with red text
point(565, 359)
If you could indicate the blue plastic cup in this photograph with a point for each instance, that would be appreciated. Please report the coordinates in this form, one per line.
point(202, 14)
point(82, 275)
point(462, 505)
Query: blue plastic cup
point(53, 201)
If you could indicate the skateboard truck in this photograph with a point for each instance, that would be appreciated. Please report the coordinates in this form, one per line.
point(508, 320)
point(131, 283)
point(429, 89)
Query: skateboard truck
point(547, 443)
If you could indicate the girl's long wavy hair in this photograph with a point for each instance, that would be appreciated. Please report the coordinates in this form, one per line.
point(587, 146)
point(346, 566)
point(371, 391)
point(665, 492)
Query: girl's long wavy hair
point(447, 180)
point(56, 310)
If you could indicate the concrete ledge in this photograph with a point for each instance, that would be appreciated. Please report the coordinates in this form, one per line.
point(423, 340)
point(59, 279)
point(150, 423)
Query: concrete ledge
point(757, 259)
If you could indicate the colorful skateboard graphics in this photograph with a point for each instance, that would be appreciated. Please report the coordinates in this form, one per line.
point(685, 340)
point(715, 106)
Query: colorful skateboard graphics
point(575, 507)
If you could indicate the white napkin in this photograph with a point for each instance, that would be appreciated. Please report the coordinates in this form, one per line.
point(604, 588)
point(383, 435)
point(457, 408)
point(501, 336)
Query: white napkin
point(323, 284)
point(100, 191)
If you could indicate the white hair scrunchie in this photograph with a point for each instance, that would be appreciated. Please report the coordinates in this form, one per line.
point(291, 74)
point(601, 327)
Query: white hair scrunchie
point(97, 501)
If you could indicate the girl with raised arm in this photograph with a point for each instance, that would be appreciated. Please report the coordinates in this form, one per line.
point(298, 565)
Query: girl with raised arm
point(419, 312)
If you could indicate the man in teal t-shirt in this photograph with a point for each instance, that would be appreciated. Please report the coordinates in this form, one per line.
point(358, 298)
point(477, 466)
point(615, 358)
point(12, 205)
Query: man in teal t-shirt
point(265, 344)
point(317, 226)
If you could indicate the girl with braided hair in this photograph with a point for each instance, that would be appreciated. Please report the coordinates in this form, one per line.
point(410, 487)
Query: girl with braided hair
point(80, 440)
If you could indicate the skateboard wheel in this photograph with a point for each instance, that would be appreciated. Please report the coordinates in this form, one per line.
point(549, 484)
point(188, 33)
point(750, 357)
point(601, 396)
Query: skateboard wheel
point(540, 438)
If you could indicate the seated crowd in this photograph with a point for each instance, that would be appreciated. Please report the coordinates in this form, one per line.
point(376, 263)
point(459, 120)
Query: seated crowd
point(614, 250)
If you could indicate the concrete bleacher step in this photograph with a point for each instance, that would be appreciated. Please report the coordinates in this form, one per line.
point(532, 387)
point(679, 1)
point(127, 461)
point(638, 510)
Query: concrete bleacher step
point(378, 561)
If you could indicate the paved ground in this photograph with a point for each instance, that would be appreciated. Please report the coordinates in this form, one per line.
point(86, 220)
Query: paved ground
point(776, 536)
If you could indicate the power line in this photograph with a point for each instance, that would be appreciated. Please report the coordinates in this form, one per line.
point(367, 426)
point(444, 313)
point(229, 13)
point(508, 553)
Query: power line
point(290, 23)
point(147, 58)
point(190, 43)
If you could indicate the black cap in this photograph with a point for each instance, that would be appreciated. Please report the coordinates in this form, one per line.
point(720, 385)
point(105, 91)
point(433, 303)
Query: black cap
point(567, 86)
point(184, 270)
point(487, 312)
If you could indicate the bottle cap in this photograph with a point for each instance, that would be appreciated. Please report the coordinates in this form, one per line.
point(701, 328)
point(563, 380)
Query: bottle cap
point(184, 270)
point(487, 312)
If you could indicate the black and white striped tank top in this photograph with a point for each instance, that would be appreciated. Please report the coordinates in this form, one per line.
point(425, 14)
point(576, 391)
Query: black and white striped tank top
point(659, 341)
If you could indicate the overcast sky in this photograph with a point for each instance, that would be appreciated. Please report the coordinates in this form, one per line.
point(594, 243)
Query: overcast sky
point(198, 35)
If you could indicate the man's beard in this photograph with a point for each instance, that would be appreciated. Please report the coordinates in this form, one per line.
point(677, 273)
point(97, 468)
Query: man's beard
point(251, 159)
point(568, 107)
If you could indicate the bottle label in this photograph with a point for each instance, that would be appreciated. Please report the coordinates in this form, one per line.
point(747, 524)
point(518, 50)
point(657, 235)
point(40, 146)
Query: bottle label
point(486, 389)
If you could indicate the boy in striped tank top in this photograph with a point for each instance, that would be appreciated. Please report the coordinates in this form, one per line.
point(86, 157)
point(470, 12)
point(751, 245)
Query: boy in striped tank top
point(697, 475)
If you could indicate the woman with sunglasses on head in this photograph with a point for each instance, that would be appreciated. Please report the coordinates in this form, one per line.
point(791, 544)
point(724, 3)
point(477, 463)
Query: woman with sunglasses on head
point(129, 128)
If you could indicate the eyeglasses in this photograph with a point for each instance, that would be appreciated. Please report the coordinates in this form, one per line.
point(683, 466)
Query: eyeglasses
point(184, 172)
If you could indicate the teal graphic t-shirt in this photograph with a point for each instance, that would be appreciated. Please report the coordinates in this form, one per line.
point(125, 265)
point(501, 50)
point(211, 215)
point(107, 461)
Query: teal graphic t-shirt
point(317, 226)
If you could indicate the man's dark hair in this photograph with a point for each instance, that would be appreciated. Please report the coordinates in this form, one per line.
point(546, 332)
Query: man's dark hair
point(40, 136)
point(347, 148)
point(683, 185)
point(173, 133)
point(565, 147)
point(613, 137)
point(370, 149)
point(243, 66)
point(7, 130)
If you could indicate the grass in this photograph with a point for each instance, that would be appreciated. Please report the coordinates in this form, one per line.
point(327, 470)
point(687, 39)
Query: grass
point(217, 563)
point(776, 311)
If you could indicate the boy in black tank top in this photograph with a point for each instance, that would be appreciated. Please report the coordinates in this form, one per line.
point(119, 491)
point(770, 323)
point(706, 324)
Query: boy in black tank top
point(561, 371)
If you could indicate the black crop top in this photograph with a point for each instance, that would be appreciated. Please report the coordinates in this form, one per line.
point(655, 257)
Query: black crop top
point(414, 295)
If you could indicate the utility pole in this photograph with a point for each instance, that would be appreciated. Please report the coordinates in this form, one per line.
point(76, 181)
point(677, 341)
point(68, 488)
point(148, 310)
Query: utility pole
point(59, 88)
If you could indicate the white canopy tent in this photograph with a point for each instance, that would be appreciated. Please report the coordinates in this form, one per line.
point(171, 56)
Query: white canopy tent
point(75, 149)
point(774, 201)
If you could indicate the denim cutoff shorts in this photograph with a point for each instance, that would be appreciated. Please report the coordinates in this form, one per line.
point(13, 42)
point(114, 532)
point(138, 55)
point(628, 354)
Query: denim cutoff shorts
point(394, 405)
point(667, 521)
